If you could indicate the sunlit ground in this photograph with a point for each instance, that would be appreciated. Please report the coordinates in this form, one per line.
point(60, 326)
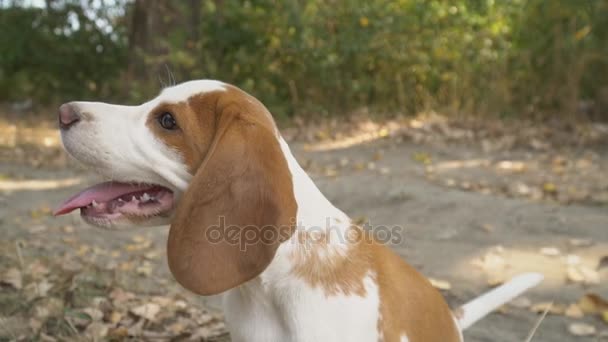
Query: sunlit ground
point(12, 135)
point(38, 184)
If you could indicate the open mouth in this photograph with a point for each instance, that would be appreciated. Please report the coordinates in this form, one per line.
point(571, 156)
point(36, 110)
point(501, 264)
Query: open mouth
point(108, 202)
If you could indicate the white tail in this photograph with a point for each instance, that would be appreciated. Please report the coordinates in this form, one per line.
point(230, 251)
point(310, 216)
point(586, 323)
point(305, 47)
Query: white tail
point(479, 307)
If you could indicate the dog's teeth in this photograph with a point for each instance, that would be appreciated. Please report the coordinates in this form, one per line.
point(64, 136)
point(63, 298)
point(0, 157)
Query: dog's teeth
point(94, 203)
point(133, 199)
point(145, 197)
point(120, 200)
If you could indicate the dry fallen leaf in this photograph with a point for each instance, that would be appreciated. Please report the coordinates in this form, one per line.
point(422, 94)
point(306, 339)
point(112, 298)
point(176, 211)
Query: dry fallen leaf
point(496, 279)
point(120, 296)
point(572, 259)
point(47, 307)
point(126, 265)
point(71, 240)
point(330, 172)
point(521, 303)
point(115, 317)
point(13, 278)
point(47, 338)
point(582, 274)
point(574, 275)
point(574, 311)
point(180, 304)
point(37, 289)
point(591, 275)
point(71, 265)
point(145, 269)
point(488, 228)
point(422, 157)
point(203, 318)
point(43, 287)
point(97, 330)
point(37, 270)
point(79, 319)
point(440, 284)
point(147, 311)
point(155, 254)
point(555, 309)
point(581, 329)
point(34, 324)
point(592, 303)
point(95, 314)
point(549, 188)
point(491, 261)
point(580, 242)
point(206, 332)
point(139, 238)
point(40, 212)
point(37, 229)
point(120, 332)
point(176, 327)
point(550, 251)
point(133, 247)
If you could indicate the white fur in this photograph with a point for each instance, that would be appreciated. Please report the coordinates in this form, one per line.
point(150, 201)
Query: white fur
point(315, 214)
point(183, 91)
point(277, 305)
point(289, 310)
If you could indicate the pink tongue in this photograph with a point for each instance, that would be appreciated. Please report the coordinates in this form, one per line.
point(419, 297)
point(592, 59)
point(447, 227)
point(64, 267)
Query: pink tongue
point(102, 192)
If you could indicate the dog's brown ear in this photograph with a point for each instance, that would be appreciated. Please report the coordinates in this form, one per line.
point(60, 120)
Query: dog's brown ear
point(238, 207)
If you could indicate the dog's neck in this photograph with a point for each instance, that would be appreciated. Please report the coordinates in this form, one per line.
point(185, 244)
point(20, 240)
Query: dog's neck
point(315, 212)
point(319, 223)
point(321, 230)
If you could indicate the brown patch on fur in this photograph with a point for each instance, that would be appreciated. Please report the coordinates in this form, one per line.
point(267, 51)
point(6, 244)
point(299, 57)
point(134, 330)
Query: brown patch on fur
point(241, 180)
point(409, 304)
point(335, 274)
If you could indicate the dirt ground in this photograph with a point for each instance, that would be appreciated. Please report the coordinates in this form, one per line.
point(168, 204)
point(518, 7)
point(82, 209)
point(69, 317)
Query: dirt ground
point(475, 209)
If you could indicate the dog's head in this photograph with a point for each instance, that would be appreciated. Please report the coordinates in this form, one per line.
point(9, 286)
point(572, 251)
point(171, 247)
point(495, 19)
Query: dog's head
point(203, 156)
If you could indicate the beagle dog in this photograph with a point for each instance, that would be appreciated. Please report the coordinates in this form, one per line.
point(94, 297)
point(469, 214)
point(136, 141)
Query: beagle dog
point(246, 221)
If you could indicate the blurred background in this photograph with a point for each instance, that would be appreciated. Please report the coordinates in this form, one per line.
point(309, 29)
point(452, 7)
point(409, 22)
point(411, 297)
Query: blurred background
point(517, 58)
point(477, 125)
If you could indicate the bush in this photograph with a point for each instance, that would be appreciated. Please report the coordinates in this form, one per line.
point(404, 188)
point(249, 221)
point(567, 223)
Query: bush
point(486, 57)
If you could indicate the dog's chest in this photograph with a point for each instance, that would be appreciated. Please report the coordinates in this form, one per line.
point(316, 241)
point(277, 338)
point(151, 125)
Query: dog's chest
point(297, 312)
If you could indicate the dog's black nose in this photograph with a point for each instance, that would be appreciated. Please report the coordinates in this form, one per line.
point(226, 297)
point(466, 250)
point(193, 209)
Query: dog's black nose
point(68, 116)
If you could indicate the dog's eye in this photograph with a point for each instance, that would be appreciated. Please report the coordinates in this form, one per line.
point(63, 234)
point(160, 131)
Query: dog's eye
point(167, 121)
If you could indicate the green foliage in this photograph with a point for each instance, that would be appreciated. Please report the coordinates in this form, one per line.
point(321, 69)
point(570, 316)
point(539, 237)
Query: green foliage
point(57, 53)
point(560, 55)
point(494, 57)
